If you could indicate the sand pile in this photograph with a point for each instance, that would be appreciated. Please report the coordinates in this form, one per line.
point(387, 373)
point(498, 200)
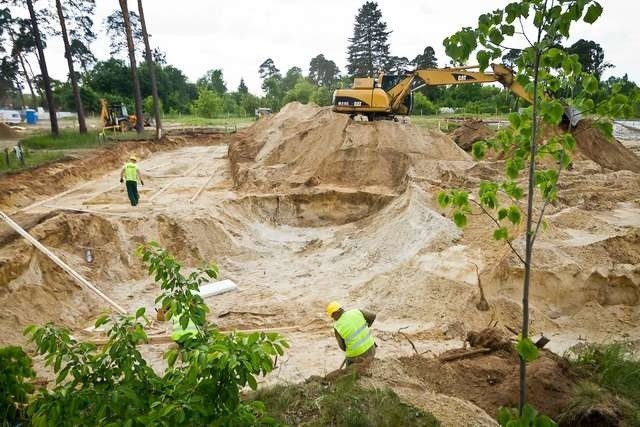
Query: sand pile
point(471, 131)
point(312, 146)
point(6, 131)
point(610, 154)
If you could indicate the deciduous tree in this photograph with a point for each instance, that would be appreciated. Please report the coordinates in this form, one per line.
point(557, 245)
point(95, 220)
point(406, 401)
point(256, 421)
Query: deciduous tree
point(323, 72)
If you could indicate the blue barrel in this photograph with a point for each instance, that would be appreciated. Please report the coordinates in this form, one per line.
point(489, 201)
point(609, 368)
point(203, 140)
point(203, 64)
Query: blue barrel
point(32, 117)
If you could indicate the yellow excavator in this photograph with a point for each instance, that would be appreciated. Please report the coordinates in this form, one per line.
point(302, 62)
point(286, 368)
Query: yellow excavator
point(387, 96)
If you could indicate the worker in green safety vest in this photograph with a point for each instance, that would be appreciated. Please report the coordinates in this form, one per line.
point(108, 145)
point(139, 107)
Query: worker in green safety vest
point(351, 329)
point(130, 175)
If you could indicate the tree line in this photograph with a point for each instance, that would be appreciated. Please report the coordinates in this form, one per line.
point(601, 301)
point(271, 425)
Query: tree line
point(138, 74)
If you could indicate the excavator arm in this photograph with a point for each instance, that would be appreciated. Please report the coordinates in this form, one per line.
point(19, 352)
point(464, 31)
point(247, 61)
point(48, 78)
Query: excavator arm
point(456, 76)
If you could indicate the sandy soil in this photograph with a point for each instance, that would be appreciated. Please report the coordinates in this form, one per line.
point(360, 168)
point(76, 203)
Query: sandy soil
point(308, 206)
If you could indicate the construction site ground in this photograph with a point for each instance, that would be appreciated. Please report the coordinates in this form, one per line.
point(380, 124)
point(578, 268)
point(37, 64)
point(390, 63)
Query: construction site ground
point(308, 206)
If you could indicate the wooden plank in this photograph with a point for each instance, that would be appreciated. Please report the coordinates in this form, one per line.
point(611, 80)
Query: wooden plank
point(84, 282)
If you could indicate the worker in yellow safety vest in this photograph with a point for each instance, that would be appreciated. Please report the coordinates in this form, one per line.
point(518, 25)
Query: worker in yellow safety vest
point(130, 175)
point(177, 330)
point(351, 329)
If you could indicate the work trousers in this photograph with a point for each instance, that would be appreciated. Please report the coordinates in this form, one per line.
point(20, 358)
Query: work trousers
point(366, 356)
point(132, 192)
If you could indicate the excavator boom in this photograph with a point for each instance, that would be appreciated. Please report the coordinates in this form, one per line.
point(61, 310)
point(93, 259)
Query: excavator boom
point(376, 98)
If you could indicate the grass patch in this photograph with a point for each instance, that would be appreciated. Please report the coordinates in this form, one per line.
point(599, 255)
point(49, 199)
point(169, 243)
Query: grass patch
point(189, 120)
point(32, 159)
point(343, 403)
point(66, 140)
point(611, 381)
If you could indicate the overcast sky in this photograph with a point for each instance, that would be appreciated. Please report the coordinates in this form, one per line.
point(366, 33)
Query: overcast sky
point(238, 35)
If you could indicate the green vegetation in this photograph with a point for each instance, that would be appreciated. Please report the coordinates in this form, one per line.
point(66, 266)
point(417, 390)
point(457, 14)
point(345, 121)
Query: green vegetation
point(542, 67)
point(343, 403)
point(15, 372)
point(32, 158)
point(112, 384)
point(66, 140)
point(610, 378)
point(191, 120)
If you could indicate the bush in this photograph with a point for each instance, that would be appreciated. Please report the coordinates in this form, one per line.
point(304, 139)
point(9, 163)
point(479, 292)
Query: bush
point(113, 384)
point(208, 104)
point(422, 105)
point(15, 371)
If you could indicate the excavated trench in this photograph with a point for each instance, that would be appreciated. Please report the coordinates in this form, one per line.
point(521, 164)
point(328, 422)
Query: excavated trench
point(295, 230)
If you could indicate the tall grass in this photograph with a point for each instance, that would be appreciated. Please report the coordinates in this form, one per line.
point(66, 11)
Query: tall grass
point(66, 140)
point(342, 403)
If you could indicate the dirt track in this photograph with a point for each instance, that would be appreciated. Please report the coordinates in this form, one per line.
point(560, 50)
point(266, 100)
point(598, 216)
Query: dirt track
point(306, 207)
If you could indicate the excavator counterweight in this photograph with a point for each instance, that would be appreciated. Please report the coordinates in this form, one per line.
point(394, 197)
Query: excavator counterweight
point(388, 95)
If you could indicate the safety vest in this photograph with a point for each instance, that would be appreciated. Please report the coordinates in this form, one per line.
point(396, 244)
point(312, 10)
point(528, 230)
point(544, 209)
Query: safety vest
point(130, 172)
point(178, 332)
point(354, 330)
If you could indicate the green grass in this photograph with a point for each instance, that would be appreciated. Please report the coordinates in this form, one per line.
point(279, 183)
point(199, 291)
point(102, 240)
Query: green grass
point(610, 377)
point(343, 403)
point(32, 159)
point(189, 120)
point(66, 140)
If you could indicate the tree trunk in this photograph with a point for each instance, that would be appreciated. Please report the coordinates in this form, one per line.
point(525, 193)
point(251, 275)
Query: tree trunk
point(152, 72)
point(33, 77)
point(134, 69)
point(74, 81)
point(43, 69)
point(26, 76)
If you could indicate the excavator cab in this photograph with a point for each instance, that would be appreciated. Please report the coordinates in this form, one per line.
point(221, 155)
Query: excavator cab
point(115, 116)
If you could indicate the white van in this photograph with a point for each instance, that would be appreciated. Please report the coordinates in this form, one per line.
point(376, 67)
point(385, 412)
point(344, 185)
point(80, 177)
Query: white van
point(10, 116)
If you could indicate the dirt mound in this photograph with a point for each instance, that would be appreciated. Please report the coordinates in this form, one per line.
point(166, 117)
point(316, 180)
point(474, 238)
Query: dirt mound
point(471, 131)
point(491, 338)
point(312, 146)
point(6, 131)
point(611, 154)
point(491, 380)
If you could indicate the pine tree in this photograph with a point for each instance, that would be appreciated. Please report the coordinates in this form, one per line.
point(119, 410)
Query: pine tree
point(137, 97)
point(46, 80)
point(152, 72)
point(368, 49)
point(242, 87)
point(323, 71)
point(427, 59)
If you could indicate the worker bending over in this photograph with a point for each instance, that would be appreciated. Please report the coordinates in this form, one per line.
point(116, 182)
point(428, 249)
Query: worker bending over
point(130, 174)
point(351, 328)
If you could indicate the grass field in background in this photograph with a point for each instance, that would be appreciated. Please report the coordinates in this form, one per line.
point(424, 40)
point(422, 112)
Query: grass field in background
point(32, 158)
point(189, 120)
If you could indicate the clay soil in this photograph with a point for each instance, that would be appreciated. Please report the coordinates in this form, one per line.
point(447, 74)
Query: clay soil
point(308, 206)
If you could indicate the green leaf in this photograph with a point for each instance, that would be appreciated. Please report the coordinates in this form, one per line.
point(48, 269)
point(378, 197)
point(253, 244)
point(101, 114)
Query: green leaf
point(527, 349)
point(593, 13)
point(460, 219)
point(508, 30)
point(443, 199)
point(460, 198)
point(483, 58)
point(102, 320)
point(514, 119)
point(496, 36)
point(590, 84)
point(514, 215)
point(140, 312)
point(500, 233)
point(252, 382)
point(171, 357)
point(606, 128)
point(479, 150)
point(502, 213)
